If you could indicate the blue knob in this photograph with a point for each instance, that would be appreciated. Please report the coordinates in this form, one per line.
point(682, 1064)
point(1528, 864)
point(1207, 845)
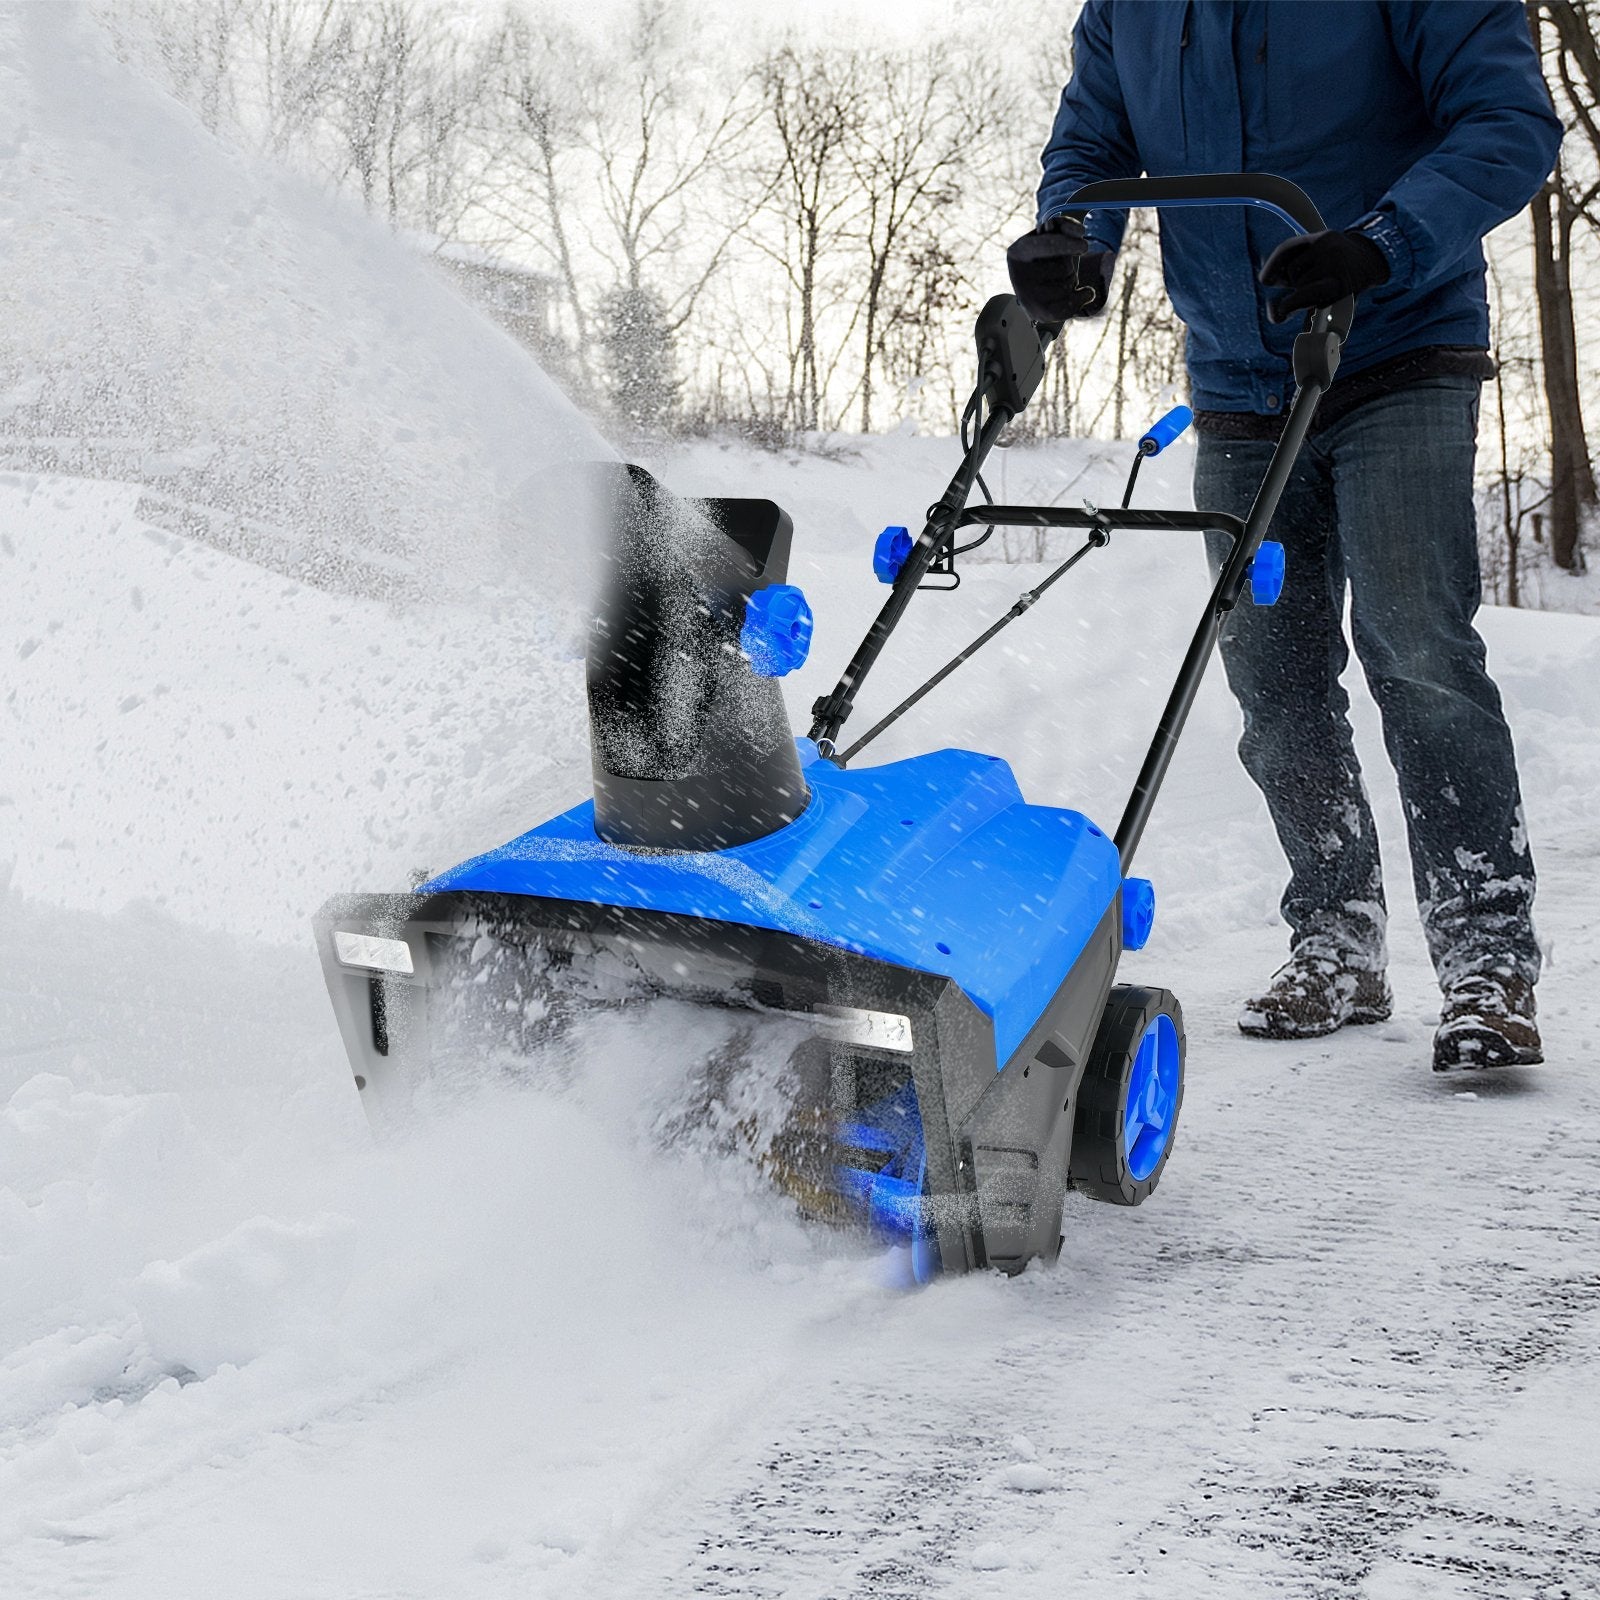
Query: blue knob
point(1162, 433)
point(777, 630)
point(1138, 912)
point(890, 552)
point(1267, 568)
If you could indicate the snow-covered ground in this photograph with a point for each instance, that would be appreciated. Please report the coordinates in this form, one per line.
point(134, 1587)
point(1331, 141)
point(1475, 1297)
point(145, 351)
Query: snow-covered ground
point(1347, 1349)
point(535, 1350)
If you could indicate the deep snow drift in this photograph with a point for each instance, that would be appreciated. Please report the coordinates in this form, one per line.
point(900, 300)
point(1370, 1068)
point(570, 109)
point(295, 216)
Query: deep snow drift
point(546, 1346)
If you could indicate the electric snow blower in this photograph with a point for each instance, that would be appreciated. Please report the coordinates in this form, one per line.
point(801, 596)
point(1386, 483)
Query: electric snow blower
point(946, 950)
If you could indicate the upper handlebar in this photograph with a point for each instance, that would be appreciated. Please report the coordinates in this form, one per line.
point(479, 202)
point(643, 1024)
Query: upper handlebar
point(1277, 195)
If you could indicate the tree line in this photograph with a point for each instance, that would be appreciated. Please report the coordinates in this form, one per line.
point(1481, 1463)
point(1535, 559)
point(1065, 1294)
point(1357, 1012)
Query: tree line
point(783, 236)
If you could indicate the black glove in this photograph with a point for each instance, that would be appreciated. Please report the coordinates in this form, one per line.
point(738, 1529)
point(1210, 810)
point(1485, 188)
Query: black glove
point(1056, 275)
point(1319, 268)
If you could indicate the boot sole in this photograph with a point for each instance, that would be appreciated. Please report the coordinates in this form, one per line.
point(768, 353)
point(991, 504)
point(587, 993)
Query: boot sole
point(1279, 1028)
point(1485, 1050)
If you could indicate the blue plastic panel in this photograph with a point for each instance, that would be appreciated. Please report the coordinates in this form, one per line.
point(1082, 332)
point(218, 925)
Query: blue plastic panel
point(935, 863)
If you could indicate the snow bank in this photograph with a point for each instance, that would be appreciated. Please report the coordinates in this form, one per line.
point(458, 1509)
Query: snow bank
point(237, 1297)
point(534, 1279)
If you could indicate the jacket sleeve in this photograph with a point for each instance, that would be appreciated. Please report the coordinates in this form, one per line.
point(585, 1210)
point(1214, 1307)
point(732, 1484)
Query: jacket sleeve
point(1091, 139)
point(1479, 75)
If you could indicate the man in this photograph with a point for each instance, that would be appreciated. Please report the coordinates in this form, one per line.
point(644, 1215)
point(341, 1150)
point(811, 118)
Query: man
point(1415, 129)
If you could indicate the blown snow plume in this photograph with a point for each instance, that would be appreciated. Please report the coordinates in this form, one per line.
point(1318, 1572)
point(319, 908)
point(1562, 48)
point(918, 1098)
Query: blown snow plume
point(325, 557)
point(283, 378)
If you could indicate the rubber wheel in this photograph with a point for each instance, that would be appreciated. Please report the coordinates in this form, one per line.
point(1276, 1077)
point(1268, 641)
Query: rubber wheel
point(1129, 1100)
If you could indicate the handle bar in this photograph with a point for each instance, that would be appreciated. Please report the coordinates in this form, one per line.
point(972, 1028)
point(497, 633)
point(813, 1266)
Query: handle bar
point(1277, 195)
point(1316, 358)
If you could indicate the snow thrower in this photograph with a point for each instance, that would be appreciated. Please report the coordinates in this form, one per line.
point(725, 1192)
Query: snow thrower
point(944, 952)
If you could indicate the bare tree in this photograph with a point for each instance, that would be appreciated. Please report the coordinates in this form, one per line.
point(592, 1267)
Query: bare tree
point(815, 102)
point(923, 291)
point(1571, 476)
point(1555, 212)
point(617, 169)
point(926, 119)
point(386, 64)
point(196, 45)
point(531, 192)
point(1517, 490)
point(297, 68)
point(1143, 330)
point(663, 138)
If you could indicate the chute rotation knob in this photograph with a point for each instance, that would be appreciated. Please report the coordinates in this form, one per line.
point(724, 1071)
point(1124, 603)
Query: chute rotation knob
point(890, 552)
point(777, 630)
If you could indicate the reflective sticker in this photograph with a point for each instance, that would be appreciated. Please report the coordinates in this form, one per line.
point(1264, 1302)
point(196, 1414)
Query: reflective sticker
point(881, 1030)
point(374, 954)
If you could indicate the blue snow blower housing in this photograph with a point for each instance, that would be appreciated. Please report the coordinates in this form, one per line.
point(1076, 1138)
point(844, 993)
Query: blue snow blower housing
point(943, 951)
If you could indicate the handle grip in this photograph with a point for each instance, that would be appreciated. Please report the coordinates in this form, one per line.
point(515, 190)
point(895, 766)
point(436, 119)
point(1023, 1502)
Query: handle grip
point(1161, 433)
point(1277, 195)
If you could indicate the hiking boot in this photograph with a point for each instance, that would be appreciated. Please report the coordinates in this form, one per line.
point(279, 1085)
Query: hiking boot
point(1314, 993)
point(1487, 1020)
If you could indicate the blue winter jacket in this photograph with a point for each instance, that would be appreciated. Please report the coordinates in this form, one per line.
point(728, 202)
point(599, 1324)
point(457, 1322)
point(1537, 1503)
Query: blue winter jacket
point(1425, 125)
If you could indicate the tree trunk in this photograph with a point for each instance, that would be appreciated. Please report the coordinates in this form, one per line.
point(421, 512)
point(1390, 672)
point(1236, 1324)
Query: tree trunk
point(874, 291)
point(1572, 484)
point(1129, 278)
point(810, 386)
point(1513, 530)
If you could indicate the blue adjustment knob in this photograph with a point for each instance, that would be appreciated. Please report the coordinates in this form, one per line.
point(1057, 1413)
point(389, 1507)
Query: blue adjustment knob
point(1266, 573)
point(1162, 433)
point(890, 552)
point(777, 630)
point(1138, 912)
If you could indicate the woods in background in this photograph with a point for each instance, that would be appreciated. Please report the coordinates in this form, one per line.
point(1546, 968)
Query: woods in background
point(783, 237)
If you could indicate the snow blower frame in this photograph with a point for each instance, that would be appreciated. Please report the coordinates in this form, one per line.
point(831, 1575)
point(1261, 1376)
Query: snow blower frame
point(945, 952)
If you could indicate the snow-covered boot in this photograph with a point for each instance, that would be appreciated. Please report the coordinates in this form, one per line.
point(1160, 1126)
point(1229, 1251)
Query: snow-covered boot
point(1487, 1020)
point(1316, 992)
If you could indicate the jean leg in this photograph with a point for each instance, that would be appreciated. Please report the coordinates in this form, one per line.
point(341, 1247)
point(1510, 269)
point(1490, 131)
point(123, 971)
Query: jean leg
point(1284, 664)
point(1403, 479)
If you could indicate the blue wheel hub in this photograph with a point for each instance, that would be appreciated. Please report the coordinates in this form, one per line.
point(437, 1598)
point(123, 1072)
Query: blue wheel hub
point(1152, 1104)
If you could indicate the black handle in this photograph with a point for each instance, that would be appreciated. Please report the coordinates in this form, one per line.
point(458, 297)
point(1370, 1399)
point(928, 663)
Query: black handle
point(1278, 195)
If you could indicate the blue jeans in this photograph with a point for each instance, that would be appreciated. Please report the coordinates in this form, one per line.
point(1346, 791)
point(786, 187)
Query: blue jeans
point(1380, 501)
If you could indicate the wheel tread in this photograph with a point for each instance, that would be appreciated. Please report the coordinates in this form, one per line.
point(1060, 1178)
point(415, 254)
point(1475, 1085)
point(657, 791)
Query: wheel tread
point(1097, 1166)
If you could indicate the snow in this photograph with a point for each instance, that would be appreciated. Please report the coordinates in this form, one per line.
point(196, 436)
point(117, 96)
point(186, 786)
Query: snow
point(226, 741)
point(270, 368)
point(548, 1345)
